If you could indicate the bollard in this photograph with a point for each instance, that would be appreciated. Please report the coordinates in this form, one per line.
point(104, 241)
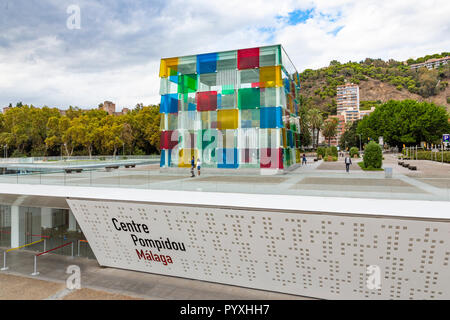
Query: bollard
point(388, 172)
point(79, 247)
point(35, 273)
point(45, 245)
point(72, 249)
point(4, 262)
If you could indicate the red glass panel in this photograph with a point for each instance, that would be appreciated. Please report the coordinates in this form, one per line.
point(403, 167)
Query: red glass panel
point(207, 101)
point(248, 58)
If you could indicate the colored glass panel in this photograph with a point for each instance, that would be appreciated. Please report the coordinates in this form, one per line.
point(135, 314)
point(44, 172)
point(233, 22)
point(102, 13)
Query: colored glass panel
point(169, 139)
point(248, 58)
point(228, 158)
point(271, 117)
point(270, 77)
point(271, 158)
point(207, 101)
point(185, 157)
point(248, 98)
point(187, 83)
point(206, 63)
point(169, 103)
point(227, 119)
point(168, 67)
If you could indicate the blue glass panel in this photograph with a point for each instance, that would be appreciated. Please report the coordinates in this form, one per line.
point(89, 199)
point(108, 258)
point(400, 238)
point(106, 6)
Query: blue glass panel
point(206, 63)
point(271, 117)
point(169, 103)
point(228, 157)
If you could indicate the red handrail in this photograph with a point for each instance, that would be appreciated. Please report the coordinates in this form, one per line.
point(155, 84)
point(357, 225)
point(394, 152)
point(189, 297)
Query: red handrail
point(40, 254)
point(38, 235)
point(7, 232)
point(83, 241)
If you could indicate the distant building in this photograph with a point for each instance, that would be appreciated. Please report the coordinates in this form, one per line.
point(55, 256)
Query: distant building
point(348, 101)
point(109, 107)
point(6, 109)
point(431, 63)
point(125, 110)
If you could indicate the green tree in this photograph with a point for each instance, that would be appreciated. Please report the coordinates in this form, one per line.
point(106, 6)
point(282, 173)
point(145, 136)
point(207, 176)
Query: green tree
point(406, 122)
point(316, 122)
point(329, 129)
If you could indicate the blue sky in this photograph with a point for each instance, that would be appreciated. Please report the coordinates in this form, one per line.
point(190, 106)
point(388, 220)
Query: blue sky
point(115, 54)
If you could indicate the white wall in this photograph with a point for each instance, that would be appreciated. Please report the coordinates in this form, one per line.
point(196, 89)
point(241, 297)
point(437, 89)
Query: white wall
point(309, 254)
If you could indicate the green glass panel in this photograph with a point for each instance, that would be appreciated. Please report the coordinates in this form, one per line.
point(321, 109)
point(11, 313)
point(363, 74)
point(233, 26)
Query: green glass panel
point(187, 83)
point(248, 98)
point(229, 89)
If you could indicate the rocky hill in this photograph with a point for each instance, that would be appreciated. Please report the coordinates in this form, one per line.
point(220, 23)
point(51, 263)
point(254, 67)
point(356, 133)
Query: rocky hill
point(379, 81)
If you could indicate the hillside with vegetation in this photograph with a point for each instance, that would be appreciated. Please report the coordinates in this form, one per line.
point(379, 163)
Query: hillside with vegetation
point(379, 81)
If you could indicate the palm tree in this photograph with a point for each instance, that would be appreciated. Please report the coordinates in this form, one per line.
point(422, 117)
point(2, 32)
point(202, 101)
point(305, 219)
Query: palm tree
point(316, 121)
point(329, 129)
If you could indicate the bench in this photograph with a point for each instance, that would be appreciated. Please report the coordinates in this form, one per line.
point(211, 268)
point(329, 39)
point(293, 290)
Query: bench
point(400, 163)
point(78, 170)
point(406, 165)
point(130, 165)
point(109, 168)
point(414, 168)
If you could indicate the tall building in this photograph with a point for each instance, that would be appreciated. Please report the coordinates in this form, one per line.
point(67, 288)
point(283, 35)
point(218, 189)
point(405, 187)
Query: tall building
point(231, 109)
point(348, 101)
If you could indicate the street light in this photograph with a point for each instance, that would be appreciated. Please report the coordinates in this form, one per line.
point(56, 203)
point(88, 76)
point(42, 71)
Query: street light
point(359, 134)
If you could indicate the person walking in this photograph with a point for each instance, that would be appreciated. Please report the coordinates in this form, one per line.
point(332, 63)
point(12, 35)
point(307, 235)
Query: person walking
point(304, 160)
point(199, 164)
point(348, 162)
point(192, 167)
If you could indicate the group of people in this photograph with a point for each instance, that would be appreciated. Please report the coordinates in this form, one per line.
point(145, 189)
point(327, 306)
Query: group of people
point(199, 163)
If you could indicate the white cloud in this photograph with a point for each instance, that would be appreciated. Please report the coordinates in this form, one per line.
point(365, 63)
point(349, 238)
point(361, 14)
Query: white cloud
point(115, 56)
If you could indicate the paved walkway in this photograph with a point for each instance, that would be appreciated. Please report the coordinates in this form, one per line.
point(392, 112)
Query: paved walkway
point(109, 283)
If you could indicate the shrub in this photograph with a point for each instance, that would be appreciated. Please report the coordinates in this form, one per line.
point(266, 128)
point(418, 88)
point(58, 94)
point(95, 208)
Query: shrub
point(354, 151)
point(334, 151)
point(373, 155)
point(320, 152)
point(18, 154)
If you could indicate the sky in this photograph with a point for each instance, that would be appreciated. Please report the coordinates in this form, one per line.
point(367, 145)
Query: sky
point(51, 55)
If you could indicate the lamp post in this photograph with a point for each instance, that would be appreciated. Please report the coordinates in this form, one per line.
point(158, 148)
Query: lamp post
point(359, 134)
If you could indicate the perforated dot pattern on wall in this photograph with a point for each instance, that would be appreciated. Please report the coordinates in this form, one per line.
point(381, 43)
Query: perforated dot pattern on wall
point(316, 255)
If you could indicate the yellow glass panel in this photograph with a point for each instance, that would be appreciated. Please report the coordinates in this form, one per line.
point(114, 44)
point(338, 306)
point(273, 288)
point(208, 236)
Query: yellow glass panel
point(270, 77)
point(227, 119)
point(185, 157)
point(168, 67)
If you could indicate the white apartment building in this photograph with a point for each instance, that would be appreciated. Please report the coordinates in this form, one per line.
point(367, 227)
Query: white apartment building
point(431, 63)
point(348, 101)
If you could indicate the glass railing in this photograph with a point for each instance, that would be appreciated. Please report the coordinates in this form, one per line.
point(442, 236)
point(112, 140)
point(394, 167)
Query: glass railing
point(431, 180)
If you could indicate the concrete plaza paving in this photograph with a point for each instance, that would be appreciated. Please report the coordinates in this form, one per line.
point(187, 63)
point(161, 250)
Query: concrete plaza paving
point(110, 283)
